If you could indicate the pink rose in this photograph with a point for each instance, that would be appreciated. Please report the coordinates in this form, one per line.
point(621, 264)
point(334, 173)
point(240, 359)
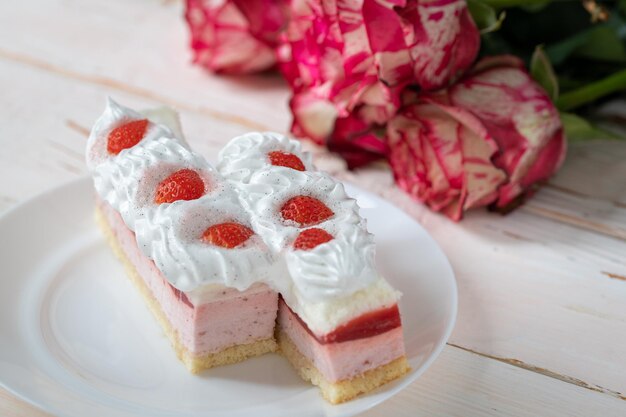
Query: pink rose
point(443, 159)
point(348, 62)
point(356, 134)
point(425, 42)
point(486, 140)
point(358, 142)
point(235, 36)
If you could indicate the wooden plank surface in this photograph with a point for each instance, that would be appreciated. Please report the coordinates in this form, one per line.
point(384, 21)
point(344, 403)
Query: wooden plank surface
point(462, 384)
point(534, 292)
point(138, 47)
point(542, 315)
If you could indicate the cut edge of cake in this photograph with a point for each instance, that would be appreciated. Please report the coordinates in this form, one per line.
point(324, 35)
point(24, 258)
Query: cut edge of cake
point(194, 363)
point(344, 390)
point(334, 392)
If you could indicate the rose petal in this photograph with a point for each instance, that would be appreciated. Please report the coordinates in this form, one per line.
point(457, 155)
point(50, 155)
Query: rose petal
point(520, 117)
point(442, 156)
point(359, 55)
point(386, 41)
point(442, 38)
point(235, 36)
point(357, 141)
point(313, 117)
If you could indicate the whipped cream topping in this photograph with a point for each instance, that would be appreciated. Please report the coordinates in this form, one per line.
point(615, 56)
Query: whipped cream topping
point(171, 237)
point(163, 122)
point(332, 282)
point(248, 154)
point(129, 180)
point(326, 285)
point(269, 188)
point(170, 233)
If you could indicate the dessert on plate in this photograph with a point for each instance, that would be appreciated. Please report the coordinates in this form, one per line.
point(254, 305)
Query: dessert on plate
point(180, 230)
point(263, 254)
point(338, 319)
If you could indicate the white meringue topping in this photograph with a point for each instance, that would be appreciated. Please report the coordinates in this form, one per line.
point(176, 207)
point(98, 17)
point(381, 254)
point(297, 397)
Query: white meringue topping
point(326, 285)
point(327, 278)
point(170, 233)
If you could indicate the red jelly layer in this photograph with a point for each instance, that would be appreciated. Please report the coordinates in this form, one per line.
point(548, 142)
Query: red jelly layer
point(366, 325)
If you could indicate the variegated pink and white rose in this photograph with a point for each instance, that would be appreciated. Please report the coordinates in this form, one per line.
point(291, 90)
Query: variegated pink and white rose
point(235, 36)
point(487, 140)
point(376, 79)
point(348, 62)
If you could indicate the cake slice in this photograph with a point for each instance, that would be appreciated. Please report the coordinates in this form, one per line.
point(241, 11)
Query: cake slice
point(338, 321)
point(185, 240)
point(265, 255)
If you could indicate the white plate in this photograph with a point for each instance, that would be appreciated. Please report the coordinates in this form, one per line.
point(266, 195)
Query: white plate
point(77, 340)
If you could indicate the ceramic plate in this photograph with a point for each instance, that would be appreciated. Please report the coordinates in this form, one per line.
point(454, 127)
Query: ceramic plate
point(77, 340)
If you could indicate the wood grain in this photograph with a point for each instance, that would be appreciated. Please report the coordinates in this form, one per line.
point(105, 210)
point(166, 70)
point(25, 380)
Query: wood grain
point(462, 384)
point(595, 170)
point(96, 46)
point(542, 315)
point(531, 290)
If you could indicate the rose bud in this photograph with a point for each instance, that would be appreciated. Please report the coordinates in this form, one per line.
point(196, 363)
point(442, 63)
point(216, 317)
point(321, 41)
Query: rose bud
point(357, 135)
point(520, 117)
point(338, 99)
point(235, 36)
point(443, 159)
point(489, 139)
point(347, 65)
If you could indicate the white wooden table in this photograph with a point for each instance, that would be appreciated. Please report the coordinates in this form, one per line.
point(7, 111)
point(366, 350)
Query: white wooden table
point(541, 329)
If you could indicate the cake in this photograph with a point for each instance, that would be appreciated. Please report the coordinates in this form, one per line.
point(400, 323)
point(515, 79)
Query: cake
point(263, 254)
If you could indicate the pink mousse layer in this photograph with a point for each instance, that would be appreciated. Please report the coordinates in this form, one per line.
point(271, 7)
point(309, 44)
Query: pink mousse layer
point(343, 360)
point(209, 327)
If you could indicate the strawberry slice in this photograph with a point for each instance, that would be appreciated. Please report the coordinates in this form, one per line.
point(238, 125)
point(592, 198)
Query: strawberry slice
point(227, 235)
point(305, 211)
point(285, 159)
point(310, 238)
point(184, 184)
point(126, 136)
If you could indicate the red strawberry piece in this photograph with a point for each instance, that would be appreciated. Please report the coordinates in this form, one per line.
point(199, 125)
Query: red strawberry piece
point(185, 184)
point(310, 238)
point(227, 235)
point(305, 211)
point(285, 159)
point(126, 136)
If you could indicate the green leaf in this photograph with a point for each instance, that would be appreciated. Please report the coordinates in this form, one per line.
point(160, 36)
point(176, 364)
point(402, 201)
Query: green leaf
point(603, 44)
point(485, 16)
point(568, 83)
point(560, 51)
point(591, 92)
point(529, 4)
point(578, 129)
point(541, 70)
point(535, 7)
